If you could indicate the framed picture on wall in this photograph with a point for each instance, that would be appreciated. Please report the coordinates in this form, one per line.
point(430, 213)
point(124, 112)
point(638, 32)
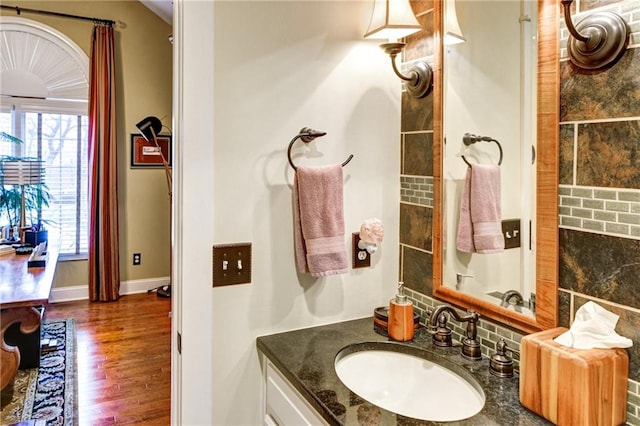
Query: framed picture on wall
point(146, 154)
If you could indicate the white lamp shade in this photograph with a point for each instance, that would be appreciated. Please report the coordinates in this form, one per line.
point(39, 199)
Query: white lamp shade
point(21, 172)
point(392, 20)
point(452, 32)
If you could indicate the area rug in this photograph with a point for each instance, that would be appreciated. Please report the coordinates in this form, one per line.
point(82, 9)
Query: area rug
point(47, 393)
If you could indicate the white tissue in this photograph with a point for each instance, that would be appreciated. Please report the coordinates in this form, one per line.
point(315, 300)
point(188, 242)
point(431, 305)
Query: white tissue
point(593, 327)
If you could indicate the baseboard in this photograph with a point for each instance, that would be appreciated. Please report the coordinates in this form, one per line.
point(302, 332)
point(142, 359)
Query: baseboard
point(81, 292)
point(67, 294)
point(142, 286)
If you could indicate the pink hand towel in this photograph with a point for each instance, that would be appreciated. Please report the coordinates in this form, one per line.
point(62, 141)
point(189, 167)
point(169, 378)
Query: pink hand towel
point(480, 223)
point(319, 221)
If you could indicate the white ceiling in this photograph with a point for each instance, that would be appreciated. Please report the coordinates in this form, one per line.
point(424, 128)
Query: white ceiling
point(162, 8)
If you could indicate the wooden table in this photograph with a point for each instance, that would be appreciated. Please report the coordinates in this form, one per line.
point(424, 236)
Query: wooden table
point(22, 289)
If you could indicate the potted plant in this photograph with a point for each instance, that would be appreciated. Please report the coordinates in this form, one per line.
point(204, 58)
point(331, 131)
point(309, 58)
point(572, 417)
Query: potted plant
point(33, 196)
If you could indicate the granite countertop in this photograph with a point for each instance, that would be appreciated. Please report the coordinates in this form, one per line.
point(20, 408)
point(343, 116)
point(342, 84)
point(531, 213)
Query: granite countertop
point(306, 358)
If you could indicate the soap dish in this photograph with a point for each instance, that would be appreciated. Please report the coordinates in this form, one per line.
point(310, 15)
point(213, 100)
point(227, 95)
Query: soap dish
point(381, 320)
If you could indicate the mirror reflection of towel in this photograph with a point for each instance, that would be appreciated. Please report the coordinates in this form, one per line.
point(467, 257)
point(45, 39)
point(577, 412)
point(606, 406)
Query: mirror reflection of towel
point(319, 221)
point(480, 223)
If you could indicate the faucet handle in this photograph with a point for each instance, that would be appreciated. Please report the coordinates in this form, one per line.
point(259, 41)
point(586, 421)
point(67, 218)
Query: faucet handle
point(501, 364)
point(470, 345)
point(442, 336)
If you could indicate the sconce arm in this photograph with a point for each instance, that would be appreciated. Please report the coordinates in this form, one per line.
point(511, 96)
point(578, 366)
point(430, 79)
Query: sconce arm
point(566, 4)
point(392, 49)
point(420, 79)
point(397, 71)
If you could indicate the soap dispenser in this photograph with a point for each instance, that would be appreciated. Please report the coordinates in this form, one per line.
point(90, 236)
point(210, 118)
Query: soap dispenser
point(400, 325)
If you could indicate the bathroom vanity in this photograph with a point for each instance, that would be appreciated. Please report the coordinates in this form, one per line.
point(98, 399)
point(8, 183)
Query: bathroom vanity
point(302, 387)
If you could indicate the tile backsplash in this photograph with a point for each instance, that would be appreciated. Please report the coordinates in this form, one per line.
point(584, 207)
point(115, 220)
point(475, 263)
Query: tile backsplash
point(417, 190)
point(489, 333)
point(601, 210)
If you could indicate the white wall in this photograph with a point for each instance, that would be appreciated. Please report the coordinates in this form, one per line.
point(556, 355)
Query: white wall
point(253, 74)
point(483, 96)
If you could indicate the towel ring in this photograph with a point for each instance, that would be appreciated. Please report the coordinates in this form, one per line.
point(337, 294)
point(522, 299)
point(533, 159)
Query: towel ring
point(307, 135)
point(470, 139)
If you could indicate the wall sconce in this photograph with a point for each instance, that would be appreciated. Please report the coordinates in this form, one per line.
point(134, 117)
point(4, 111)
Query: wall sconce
point(598, 41)
point(452, 32)
point(393, 20)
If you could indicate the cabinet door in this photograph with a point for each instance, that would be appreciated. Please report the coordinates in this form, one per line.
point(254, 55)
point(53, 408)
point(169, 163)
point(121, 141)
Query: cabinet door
point(285, 406)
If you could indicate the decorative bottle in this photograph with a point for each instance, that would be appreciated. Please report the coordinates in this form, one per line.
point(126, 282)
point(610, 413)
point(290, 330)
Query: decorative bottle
point(400, 316)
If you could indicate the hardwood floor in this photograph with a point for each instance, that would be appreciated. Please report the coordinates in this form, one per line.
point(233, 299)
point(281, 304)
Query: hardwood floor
point(124, 359)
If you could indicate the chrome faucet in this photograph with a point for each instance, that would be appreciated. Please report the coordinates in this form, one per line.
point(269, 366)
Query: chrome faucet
point(516, 297)
point(512, 294)
point(442, 333)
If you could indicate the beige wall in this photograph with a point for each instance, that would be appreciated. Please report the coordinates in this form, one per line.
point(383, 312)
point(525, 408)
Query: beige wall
point(144, 77)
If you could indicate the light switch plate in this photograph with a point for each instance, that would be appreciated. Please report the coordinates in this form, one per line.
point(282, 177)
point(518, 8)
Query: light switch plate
point(231, 264)
point(511, 232)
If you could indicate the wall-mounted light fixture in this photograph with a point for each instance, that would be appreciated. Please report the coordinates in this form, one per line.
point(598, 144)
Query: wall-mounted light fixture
point(598, 41)
point(452, 32)
point(393, 20)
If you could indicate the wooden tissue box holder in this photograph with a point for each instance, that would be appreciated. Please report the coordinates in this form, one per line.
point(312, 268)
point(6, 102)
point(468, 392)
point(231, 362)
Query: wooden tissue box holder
point(570, 386)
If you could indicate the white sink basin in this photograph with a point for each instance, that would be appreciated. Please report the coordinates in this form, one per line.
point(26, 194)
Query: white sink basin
point(414, 385)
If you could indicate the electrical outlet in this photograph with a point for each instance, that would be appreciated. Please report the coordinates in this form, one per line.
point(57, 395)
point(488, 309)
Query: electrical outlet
point(137, 258)
point(360, 258)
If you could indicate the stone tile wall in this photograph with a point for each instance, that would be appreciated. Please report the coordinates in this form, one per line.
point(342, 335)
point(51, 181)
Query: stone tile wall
point(599, 202)
point(416, 179)
point(599, 165)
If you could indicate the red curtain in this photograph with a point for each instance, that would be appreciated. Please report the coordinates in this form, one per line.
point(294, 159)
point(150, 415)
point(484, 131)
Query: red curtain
point(104, 268)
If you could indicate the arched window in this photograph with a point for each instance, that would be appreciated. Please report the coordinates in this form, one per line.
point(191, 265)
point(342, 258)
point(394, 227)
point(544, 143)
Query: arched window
point(44, 81)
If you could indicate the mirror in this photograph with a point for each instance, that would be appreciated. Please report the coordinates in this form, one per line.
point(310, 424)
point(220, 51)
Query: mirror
point(489, 83)
point(461, 74)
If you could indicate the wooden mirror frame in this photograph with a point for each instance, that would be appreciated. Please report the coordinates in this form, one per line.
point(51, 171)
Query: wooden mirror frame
point(548, 106)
